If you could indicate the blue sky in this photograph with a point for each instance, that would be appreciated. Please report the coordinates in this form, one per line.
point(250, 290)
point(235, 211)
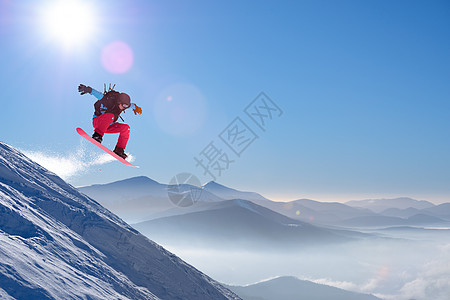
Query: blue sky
point(363, 87)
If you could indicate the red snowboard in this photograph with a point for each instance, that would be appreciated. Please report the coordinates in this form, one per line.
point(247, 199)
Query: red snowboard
point(86, 136)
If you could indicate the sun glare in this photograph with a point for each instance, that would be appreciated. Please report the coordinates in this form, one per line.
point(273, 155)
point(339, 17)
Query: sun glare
point(69, 22)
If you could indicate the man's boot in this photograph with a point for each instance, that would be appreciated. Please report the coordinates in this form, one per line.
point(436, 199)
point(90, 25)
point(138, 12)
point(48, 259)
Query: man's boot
point(96, 136)
point(120, 151)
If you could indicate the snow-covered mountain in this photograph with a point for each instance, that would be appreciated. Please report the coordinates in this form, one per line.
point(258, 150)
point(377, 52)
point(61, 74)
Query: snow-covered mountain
point(292, 288)
point(56, 243)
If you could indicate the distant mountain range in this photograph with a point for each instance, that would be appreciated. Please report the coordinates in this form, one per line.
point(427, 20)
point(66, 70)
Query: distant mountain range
point(238, 224)
point(139, 198)
point(380, 221)
point(227, 193)
point(225, 218)
point(380, 205)
point(292, 288)
point(142, 199)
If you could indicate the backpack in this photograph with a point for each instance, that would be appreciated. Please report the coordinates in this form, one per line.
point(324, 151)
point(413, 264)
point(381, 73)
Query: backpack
point(108, 103)
point(110, 95)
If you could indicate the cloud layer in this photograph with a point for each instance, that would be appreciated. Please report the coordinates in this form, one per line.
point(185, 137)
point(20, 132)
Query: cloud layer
point(424, 280)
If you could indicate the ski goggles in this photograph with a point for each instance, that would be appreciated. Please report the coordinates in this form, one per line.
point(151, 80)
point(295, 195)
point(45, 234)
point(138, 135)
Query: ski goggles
point(125, 105)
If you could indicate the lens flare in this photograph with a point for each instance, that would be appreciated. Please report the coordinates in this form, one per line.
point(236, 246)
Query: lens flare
point(180, 109)
point(117, 57)
point(5, 16)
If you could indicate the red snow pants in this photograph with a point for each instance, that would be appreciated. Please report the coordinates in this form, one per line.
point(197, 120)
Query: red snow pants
point(104, 124)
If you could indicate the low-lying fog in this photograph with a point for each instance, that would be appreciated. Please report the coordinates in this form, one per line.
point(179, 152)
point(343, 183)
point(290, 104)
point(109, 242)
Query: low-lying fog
point(401, 263)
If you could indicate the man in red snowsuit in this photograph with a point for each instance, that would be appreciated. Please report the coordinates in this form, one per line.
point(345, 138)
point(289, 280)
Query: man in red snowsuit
point(108, 108)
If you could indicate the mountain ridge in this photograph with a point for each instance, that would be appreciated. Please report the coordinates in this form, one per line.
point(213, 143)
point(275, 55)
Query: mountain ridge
point(238, 222)
point(151, 207)
point(378, 205)
point(292, 288)
point(228, 193)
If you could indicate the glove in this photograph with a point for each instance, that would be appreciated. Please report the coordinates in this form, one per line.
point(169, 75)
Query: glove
point(137, 110)
point(84, 89)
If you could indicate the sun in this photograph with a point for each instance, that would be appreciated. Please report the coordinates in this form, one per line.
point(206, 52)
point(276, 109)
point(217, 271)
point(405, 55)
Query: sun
point(69, 22)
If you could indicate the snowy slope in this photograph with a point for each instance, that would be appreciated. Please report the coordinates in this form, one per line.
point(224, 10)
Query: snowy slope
point(57, 243)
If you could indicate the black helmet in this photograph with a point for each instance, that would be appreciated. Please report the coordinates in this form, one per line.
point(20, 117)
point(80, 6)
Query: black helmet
point(124, 99)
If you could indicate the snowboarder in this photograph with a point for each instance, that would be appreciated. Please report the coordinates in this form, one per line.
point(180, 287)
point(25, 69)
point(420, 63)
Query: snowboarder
point(108, 108)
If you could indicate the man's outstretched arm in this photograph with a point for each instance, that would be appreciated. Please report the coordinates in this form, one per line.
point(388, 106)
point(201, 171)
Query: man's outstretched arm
point(88, 90)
